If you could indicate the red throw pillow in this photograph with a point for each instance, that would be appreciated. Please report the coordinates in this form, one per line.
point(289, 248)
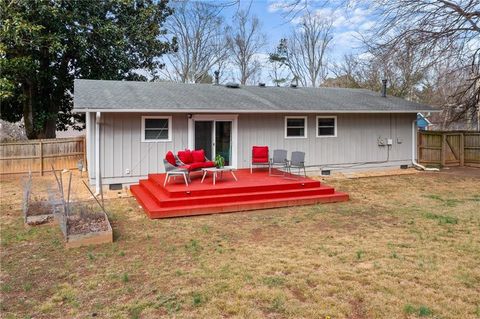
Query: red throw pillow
point(198, 156)
point(185, 156)
point(260, 152)
point(170, 158)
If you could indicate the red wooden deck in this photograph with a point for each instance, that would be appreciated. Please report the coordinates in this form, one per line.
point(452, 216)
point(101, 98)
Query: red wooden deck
point(250, 192)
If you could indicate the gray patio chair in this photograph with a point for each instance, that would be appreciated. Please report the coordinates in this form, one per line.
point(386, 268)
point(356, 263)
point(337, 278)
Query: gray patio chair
point(297, 161)
point(279, 159)
point(174, 171)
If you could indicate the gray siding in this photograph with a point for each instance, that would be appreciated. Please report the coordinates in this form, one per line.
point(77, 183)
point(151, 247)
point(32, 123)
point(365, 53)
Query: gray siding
point(356, 142)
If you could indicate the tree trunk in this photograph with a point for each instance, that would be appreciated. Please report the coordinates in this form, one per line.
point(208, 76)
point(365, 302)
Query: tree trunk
point(29, 93)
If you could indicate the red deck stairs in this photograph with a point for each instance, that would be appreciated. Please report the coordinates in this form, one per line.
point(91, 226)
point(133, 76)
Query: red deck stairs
point(250, 192)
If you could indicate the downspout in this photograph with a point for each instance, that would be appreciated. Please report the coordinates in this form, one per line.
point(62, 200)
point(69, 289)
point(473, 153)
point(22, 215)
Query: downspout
point(414, 146)
point(97, 154)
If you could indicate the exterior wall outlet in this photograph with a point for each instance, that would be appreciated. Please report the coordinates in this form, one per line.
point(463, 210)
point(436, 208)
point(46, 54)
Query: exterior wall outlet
point(399, 140)
point(127, 171)
point(389, 141)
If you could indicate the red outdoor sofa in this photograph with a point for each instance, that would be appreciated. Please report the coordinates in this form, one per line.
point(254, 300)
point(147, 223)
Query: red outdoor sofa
point(185, 162)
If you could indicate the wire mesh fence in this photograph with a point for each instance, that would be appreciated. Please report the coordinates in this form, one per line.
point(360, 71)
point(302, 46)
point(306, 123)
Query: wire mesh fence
point(37, 208)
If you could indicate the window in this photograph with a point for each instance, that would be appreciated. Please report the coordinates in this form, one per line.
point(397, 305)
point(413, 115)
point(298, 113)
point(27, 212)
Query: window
point(326, 126)
point(295, 126)
point(156, 128)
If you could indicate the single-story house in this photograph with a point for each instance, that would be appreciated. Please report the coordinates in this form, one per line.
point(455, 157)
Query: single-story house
point(130, 126)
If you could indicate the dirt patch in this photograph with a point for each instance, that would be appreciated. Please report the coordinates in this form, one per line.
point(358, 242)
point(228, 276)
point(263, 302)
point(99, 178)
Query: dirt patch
point(298, 294)
point(358, 309)
point(41, 207)
point(460, 171)
point(84, 219)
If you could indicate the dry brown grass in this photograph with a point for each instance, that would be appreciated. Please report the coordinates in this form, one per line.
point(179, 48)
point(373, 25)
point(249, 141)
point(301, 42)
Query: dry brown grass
point(403, 247)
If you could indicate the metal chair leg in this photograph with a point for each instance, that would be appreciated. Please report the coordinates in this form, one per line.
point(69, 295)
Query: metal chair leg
point(185, 178)
point(166, 179)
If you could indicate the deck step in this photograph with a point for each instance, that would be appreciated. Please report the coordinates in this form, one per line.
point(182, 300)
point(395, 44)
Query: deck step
point(251, 192)
point(178, 189)
point(245, 206)
point(190, 199)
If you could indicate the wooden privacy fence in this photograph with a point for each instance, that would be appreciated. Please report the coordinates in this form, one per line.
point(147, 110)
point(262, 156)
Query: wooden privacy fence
point(38, 156)
point(449, 148)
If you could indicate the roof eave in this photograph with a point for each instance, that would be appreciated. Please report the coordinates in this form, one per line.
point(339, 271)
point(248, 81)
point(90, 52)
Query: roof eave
point(106, 110)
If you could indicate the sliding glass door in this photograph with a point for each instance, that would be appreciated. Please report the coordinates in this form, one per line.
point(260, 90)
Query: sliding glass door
point(215, 137)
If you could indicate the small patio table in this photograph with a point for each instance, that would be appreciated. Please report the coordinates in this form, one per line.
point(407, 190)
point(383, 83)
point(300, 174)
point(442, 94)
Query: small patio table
point(216, 170)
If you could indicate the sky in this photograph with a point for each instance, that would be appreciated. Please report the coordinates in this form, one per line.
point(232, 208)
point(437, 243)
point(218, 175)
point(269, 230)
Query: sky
point(347, 23)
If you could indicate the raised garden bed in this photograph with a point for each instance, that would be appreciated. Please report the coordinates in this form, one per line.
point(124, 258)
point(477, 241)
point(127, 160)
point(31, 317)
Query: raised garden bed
point(38, 210)
point(85, 225)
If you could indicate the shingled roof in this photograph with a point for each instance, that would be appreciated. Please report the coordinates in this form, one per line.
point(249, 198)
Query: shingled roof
point(130, 96)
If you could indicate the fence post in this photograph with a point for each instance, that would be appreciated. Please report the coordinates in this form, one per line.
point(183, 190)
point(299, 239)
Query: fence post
point(462, 149)
point(443, 150)
point(41, 157)
point(84, 152)
point(419, 148)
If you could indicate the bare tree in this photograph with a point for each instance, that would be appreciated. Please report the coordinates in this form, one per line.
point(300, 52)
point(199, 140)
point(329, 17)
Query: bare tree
point(441, 29)
point(201, 43)
point(307, 50)
point(246, 40)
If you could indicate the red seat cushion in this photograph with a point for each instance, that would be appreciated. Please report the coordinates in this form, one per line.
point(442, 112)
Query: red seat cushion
point(170, 158)
point(187, 167)
point(198, 156)
point(208, 164)
point(259, 154)
point(185, 156)
point(199, 165)
point(260, 160)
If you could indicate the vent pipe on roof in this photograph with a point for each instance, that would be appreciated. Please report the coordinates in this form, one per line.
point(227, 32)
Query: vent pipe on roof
point(217, 77)
point(232, 85)
point(384, 88)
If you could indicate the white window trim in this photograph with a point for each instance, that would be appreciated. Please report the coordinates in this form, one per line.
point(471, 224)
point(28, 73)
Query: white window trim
point(326, 117)
point(169, 118)
point(305, 130)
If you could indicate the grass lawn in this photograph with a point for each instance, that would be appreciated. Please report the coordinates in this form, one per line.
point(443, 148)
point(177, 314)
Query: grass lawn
point(402, 247)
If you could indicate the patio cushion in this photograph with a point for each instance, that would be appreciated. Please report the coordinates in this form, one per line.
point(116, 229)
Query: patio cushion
point(185, 156)
point(259, 160)
point(198, 156)
point(260, 152)
point(170, 158)
point(209, 164)
point(260, 155)
point(198, 165)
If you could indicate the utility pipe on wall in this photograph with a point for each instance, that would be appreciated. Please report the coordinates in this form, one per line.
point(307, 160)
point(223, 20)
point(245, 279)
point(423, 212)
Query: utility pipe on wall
point(414, 146)
point(97, 154)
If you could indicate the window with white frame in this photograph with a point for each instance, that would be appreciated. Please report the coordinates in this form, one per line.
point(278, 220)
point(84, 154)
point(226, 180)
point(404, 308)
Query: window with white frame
point(326, 126)
point(295, 126)
point(156, 128)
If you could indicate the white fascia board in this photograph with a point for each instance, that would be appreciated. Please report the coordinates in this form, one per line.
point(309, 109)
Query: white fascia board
point(219, 111)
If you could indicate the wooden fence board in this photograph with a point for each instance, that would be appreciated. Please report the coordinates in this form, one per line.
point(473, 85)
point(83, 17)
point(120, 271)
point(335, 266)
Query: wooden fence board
point(38, 156)
point(449, 148)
